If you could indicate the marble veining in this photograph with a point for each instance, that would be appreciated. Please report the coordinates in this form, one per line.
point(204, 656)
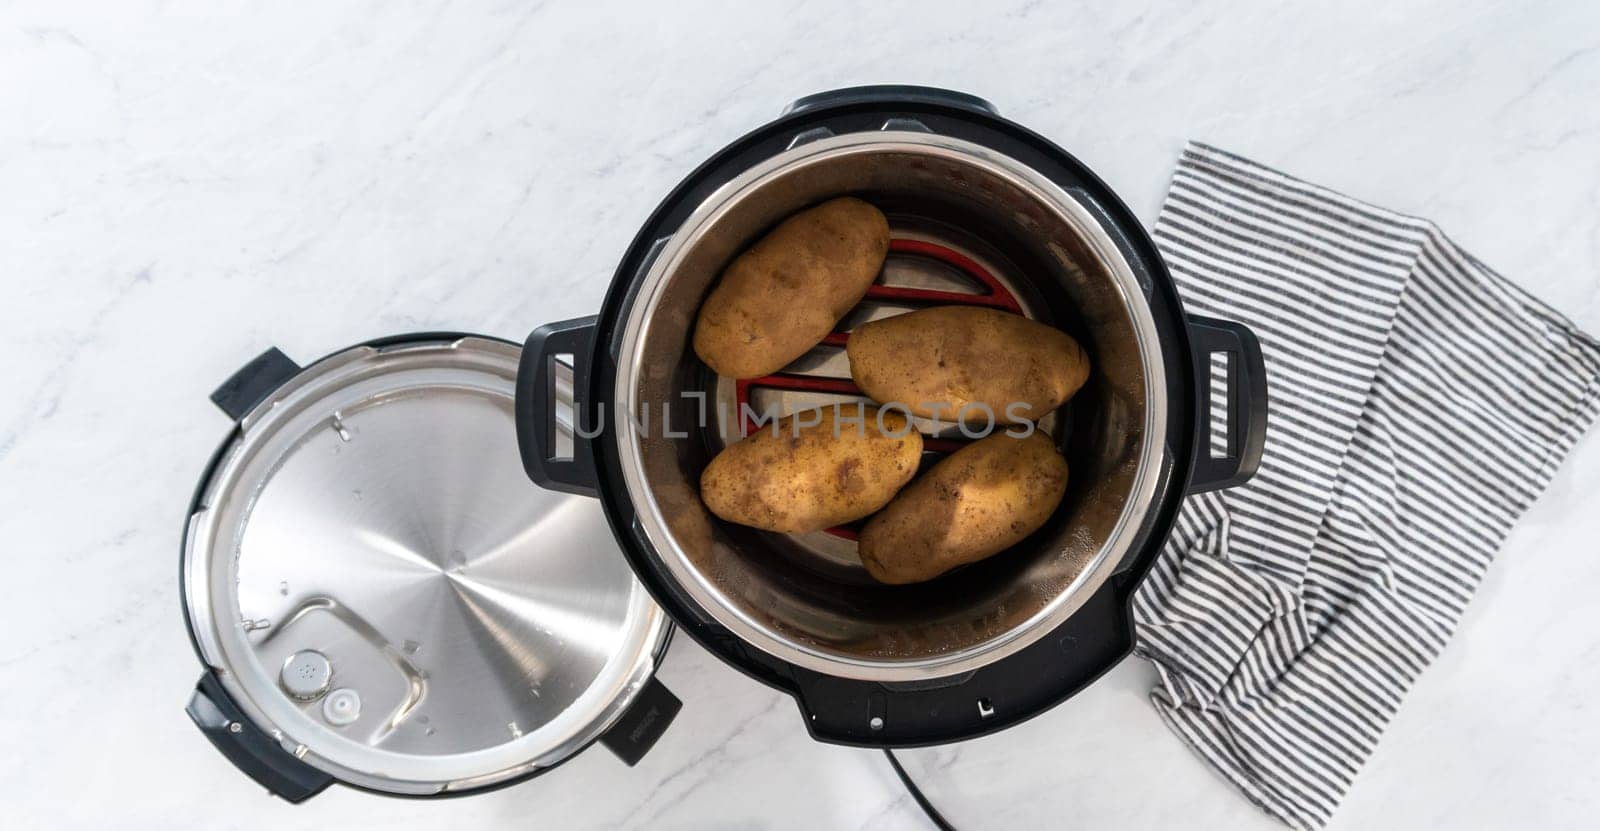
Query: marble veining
point(183, 184)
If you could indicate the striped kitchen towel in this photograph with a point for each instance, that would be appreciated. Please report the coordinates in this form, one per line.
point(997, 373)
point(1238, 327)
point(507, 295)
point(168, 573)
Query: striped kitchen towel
point(1419, 403)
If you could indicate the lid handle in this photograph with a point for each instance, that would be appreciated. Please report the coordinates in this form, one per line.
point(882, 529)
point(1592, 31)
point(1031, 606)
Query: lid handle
point(643, 723)
point(253, 752)
point(254, 382)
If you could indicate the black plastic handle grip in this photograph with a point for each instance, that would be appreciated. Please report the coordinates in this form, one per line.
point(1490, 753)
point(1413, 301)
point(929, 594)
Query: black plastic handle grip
point(254, 753)
point(254, 382)
point(641, 726)
point(536, 407)
point(1247, 403)
point(891, 94)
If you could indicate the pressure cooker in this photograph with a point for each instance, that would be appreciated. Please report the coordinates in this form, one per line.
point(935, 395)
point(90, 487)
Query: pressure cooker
point(982, 212)
point(379, 597)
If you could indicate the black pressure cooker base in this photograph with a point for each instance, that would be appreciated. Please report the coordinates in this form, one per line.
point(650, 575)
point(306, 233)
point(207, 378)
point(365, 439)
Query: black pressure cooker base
point(882, 715)
point(865, 713)
point(868, 714)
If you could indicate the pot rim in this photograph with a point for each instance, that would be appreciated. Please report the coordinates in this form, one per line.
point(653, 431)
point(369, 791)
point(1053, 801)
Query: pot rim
point(652, 525)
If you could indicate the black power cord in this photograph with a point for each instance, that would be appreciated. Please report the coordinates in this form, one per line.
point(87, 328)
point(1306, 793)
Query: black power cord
point(934, 816)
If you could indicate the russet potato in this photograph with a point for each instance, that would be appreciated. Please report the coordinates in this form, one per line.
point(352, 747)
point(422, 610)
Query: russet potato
point(977, 502)
point(786, 293)
point(951, 357)
point(839, 464)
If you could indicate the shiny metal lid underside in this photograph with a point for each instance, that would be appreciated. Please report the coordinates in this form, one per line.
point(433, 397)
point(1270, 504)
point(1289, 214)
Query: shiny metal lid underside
point(374, 513)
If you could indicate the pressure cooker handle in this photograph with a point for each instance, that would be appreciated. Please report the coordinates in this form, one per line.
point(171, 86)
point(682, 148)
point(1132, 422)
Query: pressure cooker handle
point(891, 94)
point(538, 379)
point(254, 382)
point(641, 725)
point(1246, 396)
point(253, 752)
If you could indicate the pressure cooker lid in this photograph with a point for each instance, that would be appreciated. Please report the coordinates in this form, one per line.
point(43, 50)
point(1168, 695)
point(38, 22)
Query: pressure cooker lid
point(379, 587)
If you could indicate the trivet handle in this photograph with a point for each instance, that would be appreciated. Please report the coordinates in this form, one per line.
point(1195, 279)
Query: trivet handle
point(1247, 403)
point(537, 425)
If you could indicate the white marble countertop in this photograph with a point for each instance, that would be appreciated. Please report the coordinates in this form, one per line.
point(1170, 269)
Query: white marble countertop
point(184, 184)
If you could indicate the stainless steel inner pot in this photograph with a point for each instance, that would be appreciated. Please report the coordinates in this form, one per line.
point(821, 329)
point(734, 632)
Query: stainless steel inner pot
point(805, 599)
